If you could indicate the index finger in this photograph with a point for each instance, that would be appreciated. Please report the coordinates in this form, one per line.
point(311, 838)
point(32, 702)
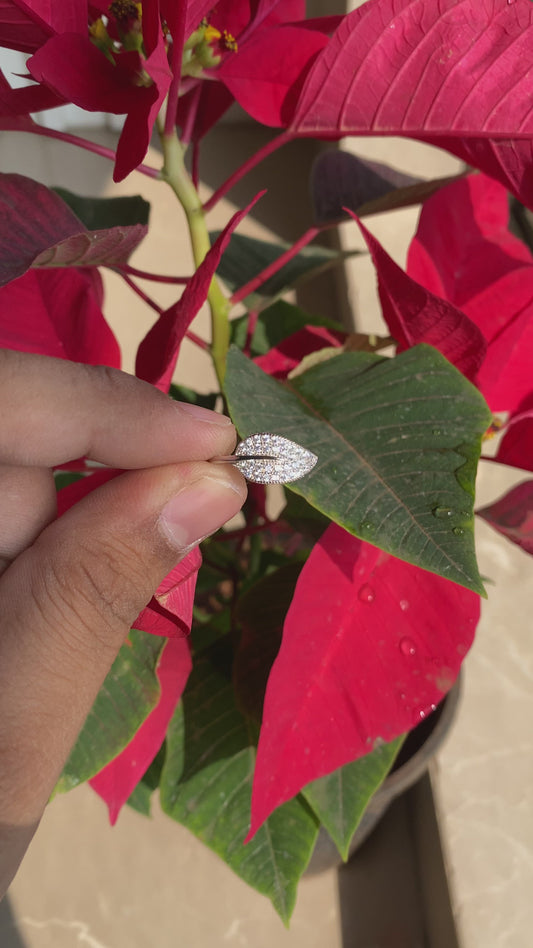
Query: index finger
point(53, 411)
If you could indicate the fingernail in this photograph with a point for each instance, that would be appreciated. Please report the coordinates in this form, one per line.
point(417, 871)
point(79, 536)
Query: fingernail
point(200, 509)
point(204, 414)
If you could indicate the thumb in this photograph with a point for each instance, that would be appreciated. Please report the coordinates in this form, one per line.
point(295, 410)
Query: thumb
point(68, 602)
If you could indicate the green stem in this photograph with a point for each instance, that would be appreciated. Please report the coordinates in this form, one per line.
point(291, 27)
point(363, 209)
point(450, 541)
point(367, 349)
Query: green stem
point(175, 174)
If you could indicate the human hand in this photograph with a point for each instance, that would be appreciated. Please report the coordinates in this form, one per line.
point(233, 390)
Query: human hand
point(70, 588)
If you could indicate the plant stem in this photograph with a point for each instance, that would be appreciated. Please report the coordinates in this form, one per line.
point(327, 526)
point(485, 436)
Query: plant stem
point(275, 266)
point(140, 293)
point(176, 175)
point(198, 341)
point(146, 275)
point(101, 150)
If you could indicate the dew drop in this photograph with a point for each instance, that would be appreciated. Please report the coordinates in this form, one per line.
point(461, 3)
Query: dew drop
point(404, 605)
point(366, 594)
point(442, 513)
point(407, 646)
point(422, 714)
point(458, 531)
point(437, 431)
point(366, 526)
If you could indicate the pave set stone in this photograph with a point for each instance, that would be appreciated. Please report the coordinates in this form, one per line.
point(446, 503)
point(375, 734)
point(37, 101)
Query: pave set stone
point(271, 459)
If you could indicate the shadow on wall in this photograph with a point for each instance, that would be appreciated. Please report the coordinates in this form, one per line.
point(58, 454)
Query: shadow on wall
point(9, 936)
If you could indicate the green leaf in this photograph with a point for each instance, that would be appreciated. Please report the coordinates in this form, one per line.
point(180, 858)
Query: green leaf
point(339, 800)
point(64, 478)
point(207, 781)
point(274, 324)
point(183, 394)
point(130, 691)
point(398, 441)
point(261, 613)
point(101, 213)
point(246, 257)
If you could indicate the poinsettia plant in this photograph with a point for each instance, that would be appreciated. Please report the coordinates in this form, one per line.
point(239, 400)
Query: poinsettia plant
point(266, 688)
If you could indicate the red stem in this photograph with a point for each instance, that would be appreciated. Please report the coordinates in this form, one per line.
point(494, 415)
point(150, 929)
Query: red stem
point(253, 316)
point(101, 150)
point(145, 275)
point(187, 129)
point(254, 160)
point(144, 296)
point(198, 341)
point(178, 36)
point(273, 267)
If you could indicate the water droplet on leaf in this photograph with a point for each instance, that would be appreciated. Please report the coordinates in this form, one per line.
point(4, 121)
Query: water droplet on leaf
point(458, 531)
point(407, 646)
point(366, 594)
point(404, 605)
point(442, 513)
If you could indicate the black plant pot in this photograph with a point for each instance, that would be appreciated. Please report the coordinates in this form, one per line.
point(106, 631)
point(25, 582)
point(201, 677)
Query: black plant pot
point(419, 747)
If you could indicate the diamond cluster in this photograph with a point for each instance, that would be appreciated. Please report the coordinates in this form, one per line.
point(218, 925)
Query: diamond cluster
point(276, 460)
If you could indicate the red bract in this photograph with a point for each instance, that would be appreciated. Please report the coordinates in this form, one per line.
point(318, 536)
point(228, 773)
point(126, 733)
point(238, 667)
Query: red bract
point(512, 515)
point(117, 781)
point(36, 316)
point(267, 74)
point(464, 252)
point(288, 353)
point(158, 352)
point(414, 315)
point(516, 447)
point(265, 71)
point(455, 74)
point(361, 665)
point(169, 612)
point(72, 68)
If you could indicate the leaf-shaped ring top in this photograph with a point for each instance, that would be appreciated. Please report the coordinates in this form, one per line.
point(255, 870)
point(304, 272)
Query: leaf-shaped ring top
point(270, 459)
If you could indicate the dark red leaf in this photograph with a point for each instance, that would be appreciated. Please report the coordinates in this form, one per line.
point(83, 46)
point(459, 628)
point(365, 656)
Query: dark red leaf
point(516, 448)
point(415, 315)
point(512, 515)
point(22, 101)
point(341, 180)
point(36, 315)
point(363, 664)
point(158, 352)
point(463, 251)
point(27, 24)
point(94, 248)
point(33, 219)
point(41, 230)
point(117, 781)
